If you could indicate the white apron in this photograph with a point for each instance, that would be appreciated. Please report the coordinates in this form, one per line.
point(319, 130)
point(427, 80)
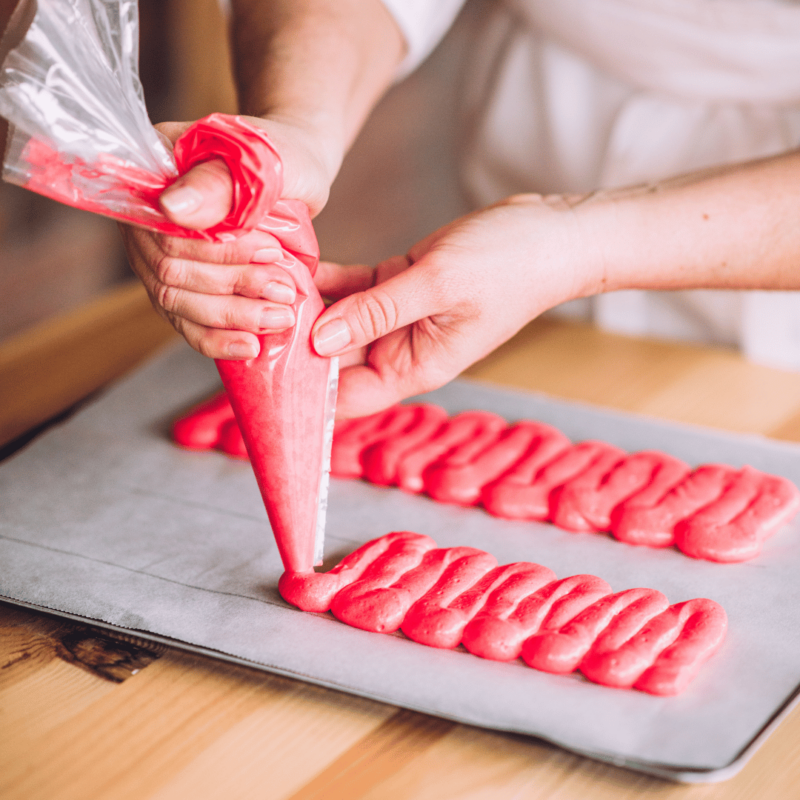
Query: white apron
point(575, 95)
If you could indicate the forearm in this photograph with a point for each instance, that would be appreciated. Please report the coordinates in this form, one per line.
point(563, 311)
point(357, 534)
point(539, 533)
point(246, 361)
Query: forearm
point(318, 64)
point(736, 227)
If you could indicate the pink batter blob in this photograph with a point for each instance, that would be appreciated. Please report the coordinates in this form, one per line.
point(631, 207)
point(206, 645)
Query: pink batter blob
point(582, 500)
point(509, 495)
point(200, 428)
point(650, 517)
point(733, 526)
point(354, 436)
point(380, 602)
point(231, 440)
point(458, 476)
point(445, 596)
point(381, 460)
point(457, 432)
point(379, 560)
point(561, 651)
point(586, 502)
point(685, 635)
point(501, 637)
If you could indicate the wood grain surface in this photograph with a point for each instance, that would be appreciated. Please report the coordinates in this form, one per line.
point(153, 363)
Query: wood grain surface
point(86, 714)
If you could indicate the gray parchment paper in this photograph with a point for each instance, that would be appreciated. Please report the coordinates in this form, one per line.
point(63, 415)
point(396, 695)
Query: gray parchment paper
point(103, 518)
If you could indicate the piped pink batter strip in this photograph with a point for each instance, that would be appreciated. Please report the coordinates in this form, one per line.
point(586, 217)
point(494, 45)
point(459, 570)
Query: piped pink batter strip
point(382, 459)
point(200, 428)
point(351, 439)
point(733, 526)
point(445, 596)
point(462, 430)
point(663, 655)
point(563, 650)
point(585, 503)
point(530, 471)
point(650, 517)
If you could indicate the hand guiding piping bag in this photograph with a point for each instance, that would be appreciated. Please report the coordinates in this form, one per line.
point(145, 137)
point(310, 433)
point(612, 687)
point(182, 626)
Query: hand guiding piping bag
point(79, 133)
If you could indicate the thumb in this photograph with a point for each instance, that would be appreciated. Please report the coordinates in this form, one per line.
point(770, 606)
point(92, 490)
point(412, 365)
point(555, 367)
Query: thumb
point(200, 198)
point(361, 318)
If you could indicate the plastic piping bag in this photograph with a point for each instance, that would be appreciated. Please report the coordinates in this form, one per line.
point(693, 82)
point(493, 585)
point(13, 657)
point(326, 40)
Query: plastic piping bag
point(79, 133)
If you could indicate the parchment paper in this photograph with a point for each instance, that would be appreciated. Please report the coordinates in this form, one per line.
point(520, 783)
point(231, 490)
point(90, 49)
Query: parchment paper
point(103, 519)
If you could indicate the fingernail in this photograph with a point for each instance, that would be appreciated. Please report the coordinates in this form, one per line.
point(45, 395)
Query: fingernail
point(278, 293)
point(266, 255)
point(184, 198)
point(240, 349)
point(332, 337)
point(277, 318)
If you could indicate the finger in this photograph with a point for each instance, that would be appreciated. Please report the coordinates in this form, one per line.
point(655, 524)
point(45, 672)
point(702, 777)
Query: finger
point(387, 377)
point(217, 343)
point(247, 280)
point(269, 282)
point(257, 246)
point(200, 198)
point(336, 280)
point(363, 317)
point(172, 130)
point(229, 312)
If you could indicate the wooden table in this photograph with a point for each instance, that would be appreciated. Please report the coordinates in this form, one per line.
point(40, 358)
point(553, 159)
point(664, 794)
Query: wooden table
point(87, 715)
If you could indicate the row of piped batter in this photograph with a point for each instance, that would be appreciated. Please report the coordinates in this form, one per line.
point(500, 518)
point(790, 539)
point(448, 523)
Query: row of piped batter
point(443, 597)
point(531, 471)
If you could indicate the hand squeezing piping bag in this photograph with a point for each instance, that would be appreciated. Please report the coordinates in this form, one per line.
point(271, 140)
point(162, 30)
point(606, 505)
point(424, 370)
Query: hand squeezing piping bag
point(80, 134)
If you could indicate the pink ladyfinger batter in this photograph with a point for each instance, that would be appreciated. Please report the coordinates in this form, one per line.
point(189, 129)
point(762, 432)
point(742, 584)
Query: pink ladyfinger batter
point(381, 461)
point(380, 602)
point(457, 431)
point(199, 429)
point(586, 502)
point(443, 596)
point(351, 439)
point(623, 660)
point(576, 504)
point(732, 527)
point(231, 440)
point(530, 471)
point(439, 617)
point(460, 476)
point(562, 651)
point(703, 631)
point(379, 561)
point(501, 638)
point(510, 495)
point(567, 466)
point(650, 517)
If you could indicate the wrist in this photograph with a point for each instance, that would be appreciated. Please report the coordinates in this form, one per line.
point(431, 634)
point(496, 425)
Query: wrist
point(570, 240)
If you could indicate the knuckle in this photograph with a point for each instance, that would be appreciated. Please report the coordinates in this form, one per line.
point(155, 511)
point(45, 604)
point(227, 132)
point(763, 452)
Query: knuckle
point(230, 316)
point(169, 270)
point(376, 313)
point(204, 344)
point(167, 297)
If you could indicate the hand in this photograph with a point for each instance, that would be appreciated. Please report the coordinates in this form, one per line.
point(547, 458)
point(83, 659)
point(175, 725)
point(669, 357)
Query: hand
point(415, 322)
point(220, 296)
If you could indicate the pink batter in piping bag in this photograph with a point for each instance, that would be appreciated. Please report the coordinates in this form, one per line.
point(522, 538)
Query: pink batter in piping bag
point(80, 134)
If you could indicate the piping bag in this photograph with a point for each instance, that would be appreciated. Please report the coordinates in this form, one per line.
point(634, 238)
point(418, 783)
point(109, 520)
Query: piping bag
point(79, 133)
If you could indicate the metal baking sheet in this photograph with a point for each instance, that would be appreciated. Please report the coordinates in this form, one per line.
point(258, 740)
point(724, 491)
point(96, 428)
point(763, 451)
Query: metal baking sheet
point(103, 519)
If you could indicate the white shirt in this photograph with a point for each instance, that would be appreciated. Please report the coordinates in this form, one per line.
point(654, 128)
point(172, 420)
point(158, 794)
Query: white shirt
point(575, 95)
